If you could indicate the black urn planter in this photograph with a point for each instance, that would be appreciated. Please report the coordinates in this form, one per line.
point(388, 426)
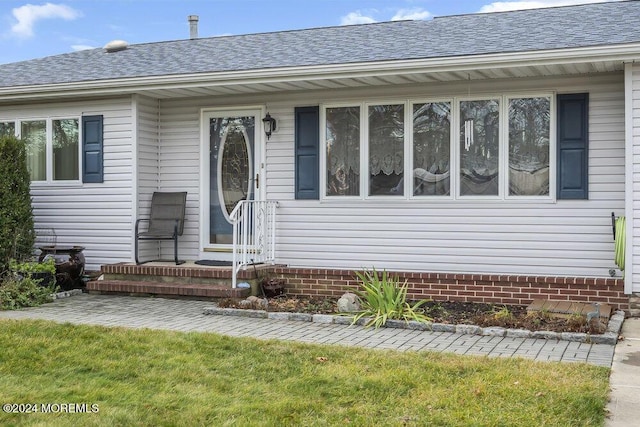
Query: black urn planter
point(69, 262)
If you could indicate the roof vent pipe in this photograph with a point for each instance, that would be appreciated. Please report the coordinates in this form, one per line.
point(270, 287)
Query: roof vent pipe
point(193, 26)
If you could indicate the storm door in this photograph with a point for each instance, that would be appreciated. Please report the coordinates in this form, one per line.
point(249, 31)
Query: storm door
point(232, 175)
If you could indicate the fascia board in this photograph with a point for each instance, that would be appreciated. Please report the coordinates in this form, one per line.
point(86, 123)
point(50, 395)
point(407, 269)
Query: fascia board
point(621, 53)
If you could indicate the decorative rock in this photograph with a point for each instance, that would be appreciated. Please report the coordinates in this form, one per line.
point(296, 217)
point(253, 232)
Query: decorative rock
point(494, 332)
point(468, 329)
point(348, 303)
point(260, 302)
point(245, 303)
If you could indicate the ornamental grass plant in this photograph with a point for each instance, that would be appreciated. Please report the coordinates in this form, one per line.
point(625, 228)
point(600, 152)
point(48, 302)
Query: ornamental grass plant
point(383, 298)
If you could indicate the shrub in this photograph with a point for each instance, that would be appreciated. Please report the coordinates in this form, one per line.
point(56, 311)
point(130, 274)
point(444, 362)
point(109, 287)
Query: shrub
point(17, 233)
point(23, 292)
point(383, 298)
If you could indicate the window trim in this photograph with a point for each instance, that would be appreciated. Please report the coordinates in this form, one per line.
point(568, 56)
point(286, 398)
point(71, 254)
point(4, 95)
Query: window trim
point(49, 147)
point(454, 166)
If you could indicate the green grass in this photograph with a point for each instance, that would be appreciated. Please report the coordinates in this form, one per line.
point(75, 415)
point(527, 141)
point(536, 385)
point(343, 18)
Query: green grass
point(161, 378)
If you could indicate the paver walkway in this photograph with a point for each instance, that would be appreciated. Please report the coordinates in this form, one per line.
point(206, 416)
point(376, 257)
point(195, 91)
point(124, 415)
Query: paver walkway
point(187, 315)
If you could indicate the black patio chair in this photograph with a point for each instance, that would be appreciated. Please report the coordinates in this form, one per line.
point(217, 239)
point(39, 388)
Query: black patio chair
point(166, 221)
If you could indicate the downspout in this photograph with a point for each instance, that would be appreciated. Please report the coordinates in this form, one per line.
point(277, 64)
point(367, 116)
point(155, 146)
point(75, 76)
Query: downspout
point(628, 179)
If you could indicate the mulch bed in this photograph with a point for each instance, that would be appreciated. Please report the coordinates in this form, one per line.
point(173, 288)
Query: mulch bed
point(449, 312)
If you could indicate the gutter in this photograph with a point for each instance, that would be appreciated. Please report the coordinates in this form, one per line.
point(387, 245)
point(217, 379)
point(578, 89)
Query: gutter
point(614, 53)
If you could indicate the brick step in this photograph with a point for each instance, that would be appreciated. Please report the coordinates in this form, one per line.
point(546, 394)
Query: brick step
point(203, 291)
point(183, 274)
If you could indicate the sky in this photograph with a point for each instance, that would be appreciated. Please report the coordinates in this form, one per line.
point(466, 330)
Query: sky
point(33, 29)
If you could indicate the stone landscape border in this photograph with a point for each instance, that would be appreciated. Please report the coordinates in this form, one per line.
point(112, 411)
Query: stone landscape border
point(610, 336)
point(66, 294)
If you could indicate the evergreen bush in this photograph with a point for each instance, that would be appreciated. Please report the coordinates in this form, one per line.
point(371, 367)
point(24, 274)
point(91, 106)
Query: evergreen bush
point(17, 235)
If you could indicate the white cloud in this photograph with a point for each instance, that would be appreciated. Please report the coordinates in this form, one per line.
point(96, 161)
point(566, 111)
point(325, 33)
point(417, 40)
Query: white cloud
point(504, 6)
point(414, 14)
point(356, 18)
point(77, 47)
point(29, 14)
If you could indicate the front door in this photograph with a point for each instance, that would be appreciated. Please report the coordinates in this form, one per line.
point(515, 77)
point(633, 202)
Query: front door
point(232, 174)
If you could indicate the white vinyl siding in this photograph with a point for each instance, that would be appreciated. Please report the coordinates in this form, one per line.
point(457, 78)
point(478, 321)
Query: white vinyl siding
point(632, 217)
point(179, 163)
point(563, 238)
point(147, 127)
point(96, 216)
point(524, 237)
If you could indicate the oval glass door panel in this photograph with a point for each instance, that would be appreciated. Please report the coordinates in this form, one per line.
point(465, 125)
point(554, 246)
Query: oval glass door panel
point(235, 169)
point(231, 171)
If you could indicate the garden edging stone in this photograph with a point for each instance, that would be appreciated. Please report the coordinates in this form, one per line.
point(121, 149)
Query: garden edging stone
point(610, 336)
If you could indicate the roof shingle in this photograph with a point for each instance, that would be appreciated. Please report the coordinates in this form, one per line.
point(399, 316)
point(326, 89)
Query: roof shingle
point(588, 25)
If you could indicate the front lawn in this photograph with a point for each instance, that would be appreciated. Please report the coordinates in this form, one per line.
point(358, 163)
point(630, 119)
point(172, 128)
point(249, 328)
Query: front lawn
point(161, 378)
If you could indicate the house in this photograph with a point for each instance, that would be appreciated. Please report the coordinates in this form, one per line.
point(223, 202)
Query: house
point(479, 156)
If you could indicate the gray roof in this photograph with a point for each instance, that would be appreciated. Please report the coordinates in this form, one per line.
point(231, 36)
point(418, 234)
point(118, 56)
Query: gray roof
point(452, 36)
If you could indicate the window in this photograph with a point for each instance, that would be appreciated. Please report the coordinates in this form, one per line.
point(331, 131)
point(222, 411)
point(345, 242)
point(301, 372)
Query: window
point(502, 148)
point(479, 147)
point(34, 134)
point(66, 164)
point(386, 150)
point(343, 151)
point(529, 145)
point(7, 129)
point(53, 149)
point(431, 148)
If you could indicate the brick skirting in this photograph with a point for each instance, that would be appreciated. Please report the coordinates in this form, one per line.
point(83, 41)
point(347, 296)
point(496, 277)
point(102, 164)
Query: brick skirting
point(518, 290)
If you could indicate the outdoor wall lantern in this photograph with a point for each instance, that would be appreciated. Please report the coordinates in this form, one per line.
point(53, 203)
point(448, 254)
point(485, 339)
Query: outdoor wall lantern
point(269, 125)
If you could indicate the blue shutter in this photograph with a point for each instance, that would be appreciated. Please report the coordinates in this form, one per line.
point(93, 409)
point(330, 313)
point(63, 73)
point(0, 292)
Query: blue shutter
point(92, 149)
point(307, 150)
point(573, 146)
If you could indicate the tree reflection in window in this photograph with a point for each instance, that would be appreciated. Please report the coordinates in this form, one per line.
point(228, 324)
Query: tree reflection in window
point(343, 151)
point(529, 131)
point(34, 134)
point(7, 129)
point(479, 147)
point(431, 148)
point(65, 149)
point(386, 150)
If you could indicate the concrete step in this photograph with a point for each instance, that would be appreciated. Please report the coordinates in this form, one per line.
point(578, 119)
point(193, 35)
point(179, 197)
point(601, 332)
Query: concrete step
point(147, 288)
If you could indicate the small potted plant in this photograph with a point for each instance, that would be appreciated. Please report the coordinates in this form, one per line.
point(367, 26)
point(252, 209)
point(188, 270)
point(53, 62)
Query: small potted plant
point(42, 272)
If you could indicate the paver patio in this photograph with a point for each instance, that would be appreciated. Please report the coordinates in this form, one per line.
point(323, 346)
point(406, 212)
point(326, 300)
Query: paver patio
point(187, 316)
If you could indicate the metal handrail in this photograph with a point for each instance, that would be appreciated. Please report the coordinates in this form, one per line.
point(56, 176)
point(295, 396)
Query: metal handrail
point(254, 234)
